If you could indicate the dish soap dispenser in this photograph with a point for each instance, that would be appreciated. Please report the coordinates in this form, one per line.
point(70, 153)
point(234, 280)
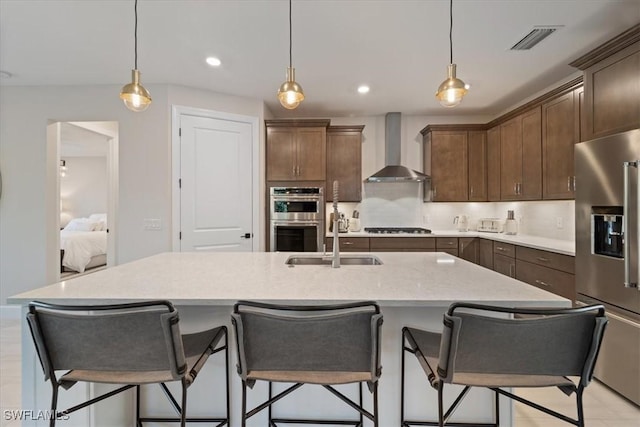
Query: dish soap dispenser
point(510, 225)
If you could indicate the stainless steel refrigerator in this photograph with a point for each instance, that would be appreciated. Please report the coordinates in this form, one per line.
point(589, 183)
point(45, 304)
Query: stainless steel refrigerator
point(607, 256)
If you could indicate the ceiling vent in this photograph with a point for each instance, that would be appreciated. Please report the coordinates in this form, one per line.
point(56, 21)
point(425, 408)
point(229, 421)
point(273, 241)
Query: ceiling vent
point(534, 37)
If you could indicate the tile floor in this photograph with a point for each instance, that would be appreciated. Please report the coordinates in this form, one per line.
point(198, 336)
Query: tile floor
point(603, 407)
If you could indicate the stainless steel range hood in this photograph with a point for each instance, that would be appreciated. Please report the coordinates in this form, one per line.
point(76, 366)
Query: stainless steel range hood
point(393, 171)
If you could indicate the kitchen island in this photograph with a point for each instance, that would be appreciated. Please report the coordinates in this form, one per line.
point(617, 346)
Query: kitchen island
point(412, 289)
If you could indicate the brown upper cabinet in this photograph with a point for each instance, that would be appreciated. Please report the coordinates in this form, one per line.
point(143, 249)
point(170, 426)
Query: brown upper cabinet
point(296, 150)
point(521, 157)
point(493, 164)
point(560, 133)
point(344, 162)
point(611, 86)
point(458, 159)
point(477, 166)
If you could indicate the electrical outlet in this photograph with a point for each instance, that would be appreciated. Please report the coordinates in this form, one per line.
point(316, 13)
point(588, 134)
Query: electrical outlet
point(559, 222)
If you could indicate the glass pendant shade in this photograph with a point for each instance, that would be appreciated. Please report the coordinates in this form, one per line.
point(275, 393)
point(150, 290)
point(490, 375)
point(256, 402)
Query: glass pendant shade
point(290, 92)
point(135, 96)
point(451, 91)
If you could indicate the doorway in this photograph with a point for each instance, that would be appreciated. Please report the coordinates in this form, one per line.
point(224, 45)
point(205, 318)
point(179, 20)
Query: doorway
point(86, 176)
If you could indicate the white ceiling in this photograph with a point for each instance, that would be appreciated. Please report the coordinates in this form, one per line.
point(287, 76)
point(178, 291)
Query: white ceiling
point(78, 140)
point(400, 48)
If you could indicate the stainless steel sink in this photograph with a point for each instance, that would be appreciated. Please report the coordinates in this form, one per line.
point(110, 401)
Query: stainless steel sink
point(326, 260)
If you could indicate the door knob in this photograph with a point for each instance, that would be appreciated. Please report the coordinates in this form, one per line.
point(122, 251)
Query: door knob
point(246, 236)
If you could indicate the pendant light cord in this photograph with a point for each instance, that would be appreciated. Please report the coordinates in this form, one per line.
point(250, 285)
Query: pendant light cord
point(450, 31)
point(290, 38)
point(135, 34)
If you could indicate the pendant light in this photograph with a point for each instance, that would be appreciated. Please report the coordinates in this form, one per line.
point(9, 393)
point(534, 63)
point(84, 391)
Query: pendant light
point(135, 96)
point(290, 92)
point(451, 91)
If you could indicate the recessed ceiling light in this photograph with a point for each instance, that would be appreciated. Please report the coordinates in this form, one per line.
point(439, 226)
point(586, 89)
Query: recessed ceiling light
point(363, 89)
point(213, 61)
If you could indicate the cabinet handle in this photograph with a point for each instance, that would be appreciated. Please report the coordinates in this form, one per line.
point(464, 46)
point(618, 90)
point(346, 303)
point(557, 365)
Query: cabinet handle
point(543, 259)
point(569, 183)
point(540, 282)
point(512, 268)
point(519, 189)
point(434, 191)
point(573, 185)
point(449, 243)
point(293, 171)
point(347, 243)
point(500, 248)
point(515, 188)
point(472, 191)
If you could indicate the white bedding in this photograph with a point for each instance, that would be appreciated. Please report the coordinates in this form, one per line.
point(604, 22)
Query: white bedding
point(80, 246)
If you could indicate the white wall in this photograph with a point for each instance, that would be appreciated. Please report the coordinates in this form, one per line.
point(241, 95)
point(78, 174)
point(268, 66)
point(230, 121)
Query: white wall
point(83, 190)
point(144, 169)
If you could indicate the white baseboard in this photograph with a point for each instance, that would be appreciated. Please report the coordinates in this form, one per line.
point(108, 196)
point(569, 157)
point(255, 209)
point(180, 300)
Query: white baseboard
point(10, 311)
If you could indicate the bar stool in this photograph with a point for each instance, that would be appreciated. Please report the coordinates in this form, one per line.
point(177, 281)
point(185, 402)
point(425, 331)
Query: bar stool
point(533, 348)
point(325, 345)
point(128, 344)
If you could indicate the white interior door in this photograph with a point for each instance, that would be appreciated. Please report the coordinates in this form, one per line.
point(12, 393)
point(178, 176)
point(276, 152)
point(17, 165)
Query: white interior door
point(216, 210)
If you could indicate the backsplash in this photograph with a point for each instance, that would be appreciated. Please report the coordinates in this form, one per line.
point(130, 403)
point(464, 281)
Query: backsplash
point(390, 204)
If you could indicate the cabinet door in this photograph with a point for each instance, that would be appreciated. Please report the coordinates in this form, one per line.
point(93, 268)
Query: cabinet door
point(449, 166)
point(521, 157)
point(504, 265)
point(493, 164)
point(485, 253)
point(311, 153)
point(510, 159)
point(531, 184)
point(469, 249)
point(477, 144)
point(558, 139)
point(612, 94)
point(281, 154)
point(344, 163)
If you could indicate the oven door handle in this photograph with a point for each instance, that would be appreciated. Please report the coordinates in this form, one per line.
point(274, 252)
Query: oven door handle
point(295, 199)
point(277, 223)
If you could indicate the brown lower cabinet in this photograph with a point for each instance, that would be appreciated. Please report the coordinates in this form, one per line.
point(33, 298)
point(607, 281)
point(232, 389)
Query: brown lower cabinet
point(469, 249)
point(504, 265)
point(485, 253)
point(448, 245)
point(556, 281)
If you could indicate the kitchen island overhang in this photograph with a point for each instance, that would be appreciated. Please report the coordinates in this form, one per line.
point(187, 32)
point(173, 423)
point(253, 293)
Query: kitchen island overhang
point(413, 289)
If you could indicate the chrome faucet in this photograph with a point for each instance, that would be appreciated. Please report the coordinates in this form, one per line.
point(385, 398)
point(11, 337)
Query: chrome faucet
point(335, 259)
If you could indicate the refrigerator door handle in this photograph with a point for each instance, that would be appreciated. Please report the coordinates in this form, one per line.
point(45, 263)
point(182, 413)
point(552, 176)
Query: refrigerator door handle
point(625, 226)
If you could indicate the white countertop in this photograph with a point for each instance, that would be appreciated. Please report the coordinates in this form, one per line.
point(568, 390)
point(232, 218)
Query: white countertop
point(404, 279)
point(565, 247)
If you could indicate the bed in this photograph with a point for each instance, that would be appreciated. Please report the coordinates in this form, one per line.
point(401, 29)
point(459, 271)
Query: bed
point(83, 244)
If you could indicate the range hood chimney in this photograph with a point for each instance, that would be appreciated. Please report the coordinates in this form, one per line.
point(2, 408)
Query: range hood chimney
point(393, 171)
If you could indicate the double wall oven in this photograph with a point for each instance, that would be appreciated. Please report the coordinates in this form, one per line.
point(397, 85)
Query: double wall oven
point(296, 219)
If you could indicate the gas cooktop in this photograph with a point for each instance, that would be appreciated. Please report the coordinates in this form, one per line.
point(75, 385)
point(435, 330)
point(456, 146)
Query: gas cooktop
point(397, 230)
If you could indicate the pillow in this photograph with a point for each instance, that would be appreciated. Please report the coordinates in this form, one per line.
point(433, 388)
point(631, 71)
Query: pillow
point(81, 224)
point(101, 221)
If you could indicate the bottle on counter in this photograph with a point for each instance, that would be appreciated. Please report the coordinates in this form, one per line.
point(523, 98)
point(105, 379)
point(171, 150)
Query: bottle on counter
point(510, 225)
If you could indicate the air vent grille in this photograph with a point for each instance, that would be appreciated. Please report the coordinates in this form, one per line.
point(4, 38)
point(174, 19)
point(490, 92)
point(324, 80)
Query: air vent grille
point(534, 37)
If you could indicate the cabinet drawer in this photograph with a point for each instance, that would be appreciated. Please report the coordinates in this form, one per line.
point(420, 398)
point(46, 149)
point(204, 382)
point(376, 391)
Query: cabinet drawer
point(505, 249)
point(558, 282)
point(392, 244)
point(553, 260)
point(446, 242)
point(349, 244)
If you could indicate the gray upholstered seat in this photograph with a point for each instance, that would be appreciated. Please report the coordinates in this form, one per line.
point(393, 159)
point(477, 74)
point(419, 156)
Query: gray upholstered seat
point(129, 344)
point(326, 345)
point(494, 347)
